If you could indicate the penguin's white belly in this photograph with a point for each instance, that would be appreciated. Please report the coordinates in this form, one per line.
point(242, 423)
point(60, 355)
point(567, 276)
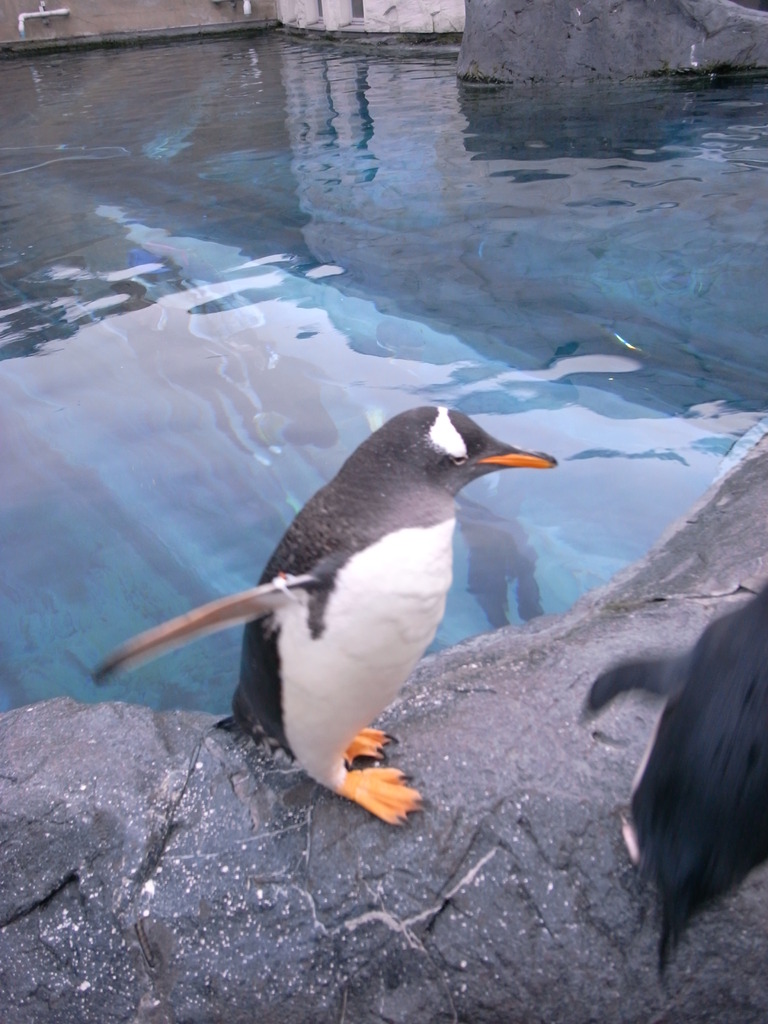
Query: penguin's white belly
point(381, 616)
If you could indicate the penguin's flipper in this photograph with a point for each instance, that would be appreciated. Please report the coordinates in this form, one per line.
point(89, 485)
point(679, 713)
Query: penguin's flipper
point(382, 791)
point(367, 743)
point(208, 618)
point(661, 676)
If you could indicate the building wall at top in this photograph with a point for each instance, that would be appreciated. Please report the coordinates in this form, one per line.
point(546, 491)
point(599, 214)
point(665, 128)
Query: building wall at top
point(108, 19)
point(114, 19)
point(391, 16)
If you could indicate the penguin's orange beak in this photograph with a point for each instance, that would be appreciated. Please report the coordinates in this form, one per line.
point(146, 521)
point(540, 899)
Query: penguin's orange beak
point(524, 460)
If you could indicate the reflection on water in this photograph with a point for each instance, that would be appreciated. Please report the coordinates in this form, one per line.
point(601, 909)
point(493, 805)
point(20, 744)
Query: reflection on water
point(223, 265)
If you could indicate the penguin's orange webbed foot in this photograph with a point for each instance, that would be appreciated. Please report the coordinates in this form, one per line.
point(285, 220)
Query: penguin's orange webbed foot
point(383, 792)
point(367, 743)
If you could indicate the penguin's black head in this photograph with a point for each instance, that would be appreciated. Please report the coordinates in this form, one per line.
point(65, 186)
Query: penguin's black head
point(442, 447)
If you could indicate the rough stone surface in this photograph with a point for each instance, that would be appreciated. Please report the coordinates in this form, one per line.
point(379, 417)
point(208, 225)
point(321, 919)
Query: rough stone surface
point(154, 869)
point(571, 41)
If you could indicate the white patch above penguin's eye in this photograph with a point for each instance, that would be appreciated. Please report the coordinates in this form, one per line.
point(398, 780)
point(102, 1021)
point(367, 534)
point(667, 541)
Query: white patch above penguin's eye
point(446, 438)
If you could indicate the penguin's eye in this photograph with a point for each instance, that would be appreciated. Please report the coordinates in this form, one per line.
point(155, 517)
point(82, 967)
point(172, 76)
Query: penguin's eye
point(458, 460)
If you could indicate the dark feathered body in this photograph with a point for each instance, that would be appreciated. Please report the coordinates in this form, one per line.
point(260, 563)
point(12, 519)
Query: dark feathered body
point(700, 803)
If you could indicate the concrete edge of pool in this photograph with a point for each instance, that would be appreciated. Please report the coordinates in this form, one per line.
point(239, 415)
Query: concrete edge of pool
point(152, 868)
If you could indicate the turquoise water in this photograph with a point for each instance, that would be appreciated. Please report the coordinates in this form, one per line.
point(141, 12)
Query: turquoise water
point(223, 264)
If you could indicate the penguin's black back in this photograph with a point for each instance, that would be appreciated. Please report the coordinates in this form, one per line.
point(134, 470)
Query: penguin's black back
point(701, 806)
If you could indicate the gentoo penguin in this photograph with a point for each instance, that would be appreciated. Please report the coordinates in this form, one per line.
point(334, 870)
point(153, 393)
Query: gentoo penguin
point(349, 601)
point(700, 797)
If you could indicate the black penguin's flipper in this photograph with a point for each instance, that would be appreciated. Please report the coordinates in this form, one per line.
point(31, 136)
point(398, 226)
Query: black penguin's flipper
point(208, 618)
point(227, 724)
point(661, 676)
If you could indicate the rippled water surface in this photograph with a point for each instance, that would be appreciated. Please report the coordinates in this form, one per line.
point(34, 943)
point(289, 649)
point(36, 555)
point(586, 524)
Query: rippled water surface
point(222, 265)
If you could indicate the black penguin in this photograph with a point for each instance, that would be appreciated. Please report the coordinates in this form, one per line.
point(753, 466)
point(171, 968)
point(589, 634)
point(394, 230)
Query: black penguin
point(700, 797)
point(350, 600)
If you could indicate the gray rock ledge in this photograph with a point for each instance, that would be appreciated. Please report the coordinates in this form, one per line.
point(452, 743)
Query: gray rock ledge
point(154, 869)
point(582, 40)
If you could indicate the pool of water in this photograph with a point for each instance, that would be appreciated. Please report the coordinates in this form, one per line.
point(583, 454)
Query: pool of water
point(222, 264)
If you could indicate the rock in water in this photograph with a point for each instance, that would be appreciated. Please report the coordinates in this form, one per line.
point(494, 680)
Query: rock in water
point(561, 41)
